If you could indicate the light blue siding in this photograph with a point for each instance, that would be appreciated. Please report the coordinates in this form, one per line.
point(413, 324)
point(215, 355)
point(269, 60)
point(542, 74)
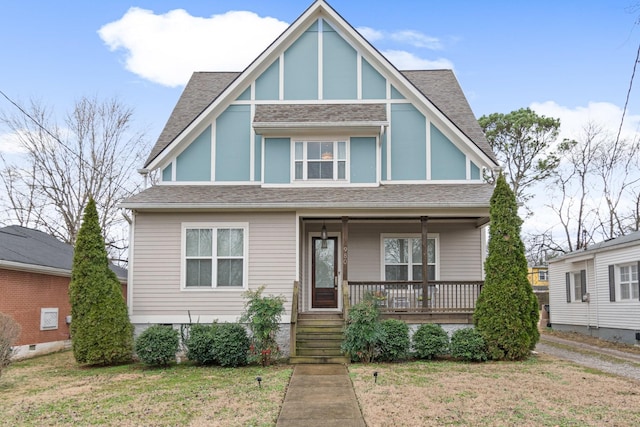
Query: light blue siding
point(374, 86)
point(277, 160)
point(246, 95)
point(233, 144)
point(301, 66)
point(363, 160)
point(447, 161)
point(339, 66)
point(257, 171)
point(395, 94)
point(167, 172)
point(268, 84)
point(408, 143)
point(194, 163)
point(475, 171)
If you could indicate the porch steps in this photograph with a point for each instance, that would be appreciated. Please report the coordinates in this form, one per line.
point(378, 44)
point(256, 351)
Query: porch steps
point(318, 339)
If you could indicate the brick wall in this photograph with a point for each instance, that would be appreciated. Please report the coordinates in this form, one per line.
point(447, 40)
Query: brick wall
point(23, 294)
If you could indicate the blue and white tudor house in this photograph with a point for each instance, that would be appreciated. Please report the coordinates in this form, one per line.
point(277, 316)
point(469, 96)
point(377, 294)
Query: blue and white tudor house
point(322, 172)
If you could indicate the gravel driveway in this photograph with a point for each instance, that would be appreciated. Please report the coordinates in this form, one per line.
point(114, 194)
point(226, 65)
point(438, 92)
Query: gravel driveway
point(606, 360)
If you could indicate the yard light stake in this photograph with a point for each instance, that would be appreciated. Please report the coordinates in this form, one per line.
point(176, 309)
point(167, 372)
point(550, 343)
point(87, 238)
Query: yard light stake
point(375, 377)
point(259, 379)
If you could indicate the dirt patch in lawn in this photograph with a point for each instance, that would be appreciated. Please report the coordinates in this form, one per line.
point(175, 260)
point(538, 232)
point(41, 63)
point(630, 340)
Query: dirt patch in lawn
point(540, 391)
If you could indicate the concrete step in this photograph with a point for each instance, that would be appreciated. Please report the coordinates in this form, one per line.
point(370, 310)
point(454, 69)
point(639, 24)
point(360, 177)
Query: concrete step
point(334, 343)
point(319, 351)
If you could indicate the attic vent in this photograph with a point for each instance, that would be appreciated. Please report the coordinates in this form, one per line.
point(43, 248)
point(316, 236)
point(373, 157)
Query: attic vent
point(48, 319)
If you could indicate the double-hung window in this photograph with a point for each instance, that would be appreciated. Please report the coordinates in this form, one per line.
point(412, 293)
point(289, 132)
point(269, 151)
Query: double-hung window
point(402, 257)
point(576, 282)
point(629, 282)
point(215, 256)
point(320, 160)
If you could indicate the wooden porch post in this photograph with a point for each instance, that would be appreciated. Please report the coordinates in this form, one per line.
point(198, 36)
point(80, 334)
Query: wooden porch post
point(425, 279)
point(345, 248)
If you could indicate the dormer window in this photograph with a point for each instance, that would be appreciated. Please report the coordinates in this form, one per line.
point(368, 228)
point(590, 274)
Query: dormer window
point(320, 160)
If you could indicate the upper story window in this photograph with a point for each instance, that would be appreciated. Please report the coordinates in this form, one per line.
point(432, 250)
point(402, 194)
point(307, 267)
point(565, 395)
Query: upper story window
point(320, 160)
point(542, 275)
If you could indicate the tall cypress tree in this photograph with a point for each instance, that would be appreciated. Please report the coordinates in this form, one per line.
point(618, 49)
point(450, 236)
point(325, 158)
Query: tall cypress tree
point(507, 311)
point(101, 333)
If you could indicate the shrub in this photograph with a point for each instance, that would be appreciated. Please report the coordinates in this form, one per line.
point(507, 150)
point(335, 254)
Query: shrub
point(262, 315)
point(9, 333)
point(394, 343)
point(101, 333)
point(430, 340)
point(363, 332)
point(231, 344)
point(467, 344)
point(200, 343)
point(157, 345)
point(506, 312)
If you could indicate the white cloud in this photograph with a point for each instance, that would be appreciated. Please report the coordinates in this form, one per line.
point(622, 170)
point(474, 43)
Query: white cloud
point(417, 39)
point(10, 144)
point(167, 48)
point(370, 34)
point(404, 60)
point(604, 114)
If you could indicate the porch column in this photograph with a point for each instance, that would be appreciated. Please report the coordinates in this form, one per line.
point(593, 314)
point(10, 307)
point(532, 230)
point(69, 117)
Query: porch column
point(425, 280)
point(345, 248)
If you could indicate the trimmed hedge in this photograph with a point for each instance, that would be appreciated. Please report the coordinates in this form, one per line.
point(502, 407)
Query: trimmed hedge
point(394, 343)
point(157, 345)
point(467, 344)
point(430, 340)
point(231, 344)
point(200, 343)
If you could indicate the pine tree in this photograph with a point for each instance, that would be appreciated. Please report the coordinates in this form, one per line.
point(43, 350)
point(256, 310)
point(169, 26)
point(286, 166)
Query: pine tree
point(507, 311)
point(101, 333)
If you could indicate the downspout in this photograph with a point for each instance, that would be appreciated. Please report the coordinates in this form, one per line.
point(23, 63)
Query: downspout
point(130, 262)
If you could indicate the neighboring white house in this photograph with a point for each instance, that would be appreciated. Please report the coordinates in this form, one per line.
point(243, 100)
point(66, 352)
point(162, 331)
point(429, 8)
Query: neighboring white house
point(596, 290)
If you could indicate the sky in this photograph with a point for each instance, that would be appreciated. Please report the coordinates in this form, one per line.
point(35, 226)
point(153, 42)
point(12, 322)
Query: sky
point(569, 59)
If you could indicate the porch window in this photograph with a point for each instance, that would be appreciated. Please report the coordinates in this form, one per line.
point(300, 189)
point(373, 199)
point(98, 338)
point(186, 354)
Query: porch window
point(320, 160)
point(403, 258)
point(629, 282)
point(215, 256)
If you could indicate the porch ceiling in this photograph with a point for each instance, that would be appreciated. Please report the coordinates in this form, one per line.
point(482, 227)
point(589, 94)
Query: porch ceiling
point(396, 197)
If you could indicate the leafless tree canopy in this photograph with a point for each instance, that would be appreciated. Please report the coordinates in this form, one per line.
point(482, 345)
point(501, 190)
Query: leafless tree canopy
point(93, 152)
point(9, 333)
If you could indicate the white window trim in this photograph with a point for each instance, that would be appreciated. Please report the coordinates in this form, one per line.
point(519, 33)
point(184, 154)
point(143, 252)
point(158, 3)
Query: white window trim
point(183, 256)
point(632, 284)
point(305, 160)
point(43, 313)
point(542, 273)
point(435, 236)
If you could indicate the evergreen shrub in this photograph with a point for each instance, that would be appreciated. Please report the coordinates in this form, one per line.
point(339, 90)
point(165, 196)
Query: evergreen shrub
point(200, 343)
point(157, 345)
point(262, 315)
point(394, 343)
point(430, 340)
point(363, 332)
point(467, 344)
point(231, 344)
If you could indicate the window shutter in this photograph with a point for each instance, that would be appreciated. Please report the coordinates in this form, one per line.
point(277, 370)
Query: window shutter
point(568, 279)
point(612, 283)
point(583, 284)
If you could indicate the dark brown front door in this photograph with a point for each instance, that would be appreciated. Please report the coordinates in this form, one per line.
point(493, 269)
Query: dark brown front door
point(324, 273)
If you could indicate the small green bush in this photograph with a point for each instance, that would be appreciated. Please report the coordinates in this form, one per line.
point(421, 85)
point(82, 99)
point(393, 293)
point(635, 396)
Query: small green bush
point(394, 343)
point(262, 315)
point(363, 332)
point(9, 334)
point(157, 345)
point(467, 344)
point(430, 340)
point(231, 344)
point(200, 344)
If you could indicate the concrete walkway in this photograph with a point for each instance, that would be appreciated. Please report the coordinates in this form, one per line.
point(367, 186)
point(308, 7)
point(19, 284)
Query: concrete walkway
point(320, 395)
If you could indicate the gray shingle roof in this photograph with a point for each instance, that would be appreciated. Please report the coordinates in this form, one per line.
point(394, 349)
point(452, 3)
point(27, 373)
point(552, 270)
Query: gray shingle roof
point(439, 86)
point(628, 239)
point(388, 197)
point(317, 113)
point(27, 246)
